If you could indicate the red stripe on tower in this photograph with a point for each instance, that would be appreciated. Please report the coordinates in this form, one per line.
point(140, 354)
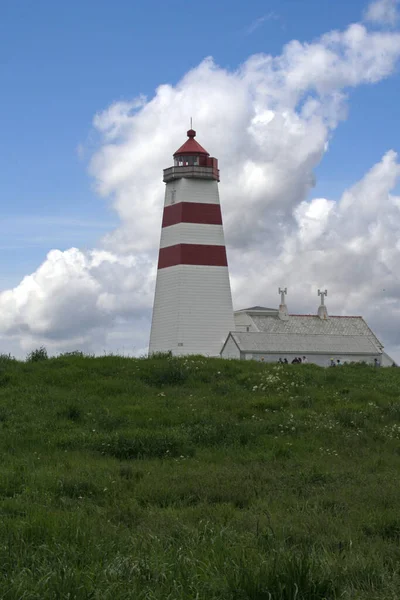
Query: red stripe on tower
point(192, 254)
point(192, 212)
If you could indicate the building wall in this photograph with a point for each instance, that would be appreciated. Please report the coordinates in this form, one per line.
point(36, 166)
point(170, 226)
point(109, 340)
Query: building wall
point(231, 350)
point(323, 360)
point(387, 361)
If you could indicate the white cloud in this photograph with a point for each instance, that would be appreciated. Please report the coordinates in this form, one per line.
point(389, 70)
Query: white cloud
point(75, 296)
point(351, 247)
point(271, 16)
point(269, 123)
point(383, 12)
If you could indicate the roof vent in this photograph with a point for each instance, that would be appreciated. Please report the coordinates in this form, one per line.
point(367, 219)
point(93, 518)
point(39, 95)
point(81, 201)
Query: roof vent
point(322, 310)
point(283, 311)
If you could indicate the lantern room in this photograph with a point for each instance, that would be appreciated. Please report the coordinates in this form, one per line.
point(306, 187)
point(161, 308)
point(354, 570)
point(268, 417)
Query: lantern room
point(192, 161)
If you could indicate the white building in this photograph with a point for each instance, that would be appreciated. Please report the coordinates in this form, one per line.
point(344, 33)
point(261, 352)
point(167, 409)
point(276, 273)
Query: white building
point(267, 334)
point(192, 312)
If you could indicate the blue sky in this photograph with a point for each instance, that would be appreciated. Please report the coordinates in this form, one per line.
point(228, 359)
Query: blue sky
point(61, 63)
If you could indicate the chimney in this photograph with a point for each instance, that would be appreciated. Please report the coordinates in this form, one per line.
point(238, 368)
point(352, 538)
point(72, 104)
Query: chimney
point(322, 310)
point(283, 311)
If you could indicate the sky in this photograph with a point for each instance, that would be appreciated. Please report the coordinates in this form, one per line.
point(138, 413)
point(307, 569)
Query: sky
point(297, 100)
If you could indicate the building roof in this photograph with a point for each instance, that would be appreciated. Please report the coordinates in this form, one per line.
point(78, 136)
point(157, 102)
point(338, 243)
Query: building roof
point(191, 146)
point(257, 308)
point(298, 343)
point(312, 325)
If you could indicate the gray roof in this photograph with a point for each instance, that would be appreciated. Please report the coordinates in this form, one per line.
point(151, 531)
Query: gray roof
point(257, 308)
point(298, 343)
point(313, 325)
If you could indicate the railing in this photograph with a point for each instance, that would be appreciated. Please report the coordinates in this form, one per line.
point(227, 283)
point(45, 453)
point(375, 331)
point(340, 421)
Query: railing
point(190, 171)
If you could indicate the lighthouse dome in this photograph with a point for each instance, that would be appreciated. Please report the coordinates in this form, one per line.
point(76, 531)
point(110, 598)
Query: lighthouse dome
point(191, 146)
point(192, 161)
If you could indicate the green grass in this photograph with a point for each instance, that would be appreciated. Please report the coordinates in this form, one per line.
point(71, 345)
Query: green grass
point(197, 479)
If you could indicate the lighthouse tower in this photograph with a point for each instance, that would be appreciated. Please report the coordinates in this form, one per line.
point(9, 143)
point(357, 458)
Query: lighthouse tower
point(192, 311)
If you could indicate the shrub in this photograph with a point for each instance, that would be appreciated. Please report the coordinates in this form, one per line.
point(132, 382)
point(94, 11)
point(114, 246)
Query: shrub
point(6, 358)
point(37, 355)
point(161, 355)
point(4, 379)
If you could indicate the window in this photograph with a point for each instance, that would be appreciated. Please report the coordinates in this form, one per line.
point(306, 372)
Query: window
point(186, 161)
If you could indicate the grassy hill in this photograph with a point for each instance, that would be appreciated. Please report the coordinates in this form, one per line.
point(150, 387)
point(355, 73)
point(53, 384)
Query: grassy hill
point(198, 479)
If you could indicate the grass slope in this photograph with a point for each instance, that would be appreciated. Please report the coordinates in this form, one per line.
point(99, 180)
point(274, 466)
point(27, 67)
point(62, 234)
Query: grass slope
point(198, 479)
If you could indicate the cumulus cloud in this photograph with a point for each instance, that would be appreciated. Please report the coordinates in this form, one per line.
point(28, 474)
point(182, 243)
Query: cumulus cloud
point(75, 296)
point(383, 12)
point(269, 122)
point(350, 246)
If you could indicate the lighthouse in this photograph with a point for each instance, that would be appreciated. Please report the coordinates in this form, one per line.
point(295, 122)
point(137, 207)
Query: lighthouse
point(192, 312)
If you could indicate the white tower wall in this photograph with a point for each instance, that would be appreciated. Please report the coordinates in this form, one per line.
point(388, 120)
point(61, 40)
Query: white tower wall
point(192, 311)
